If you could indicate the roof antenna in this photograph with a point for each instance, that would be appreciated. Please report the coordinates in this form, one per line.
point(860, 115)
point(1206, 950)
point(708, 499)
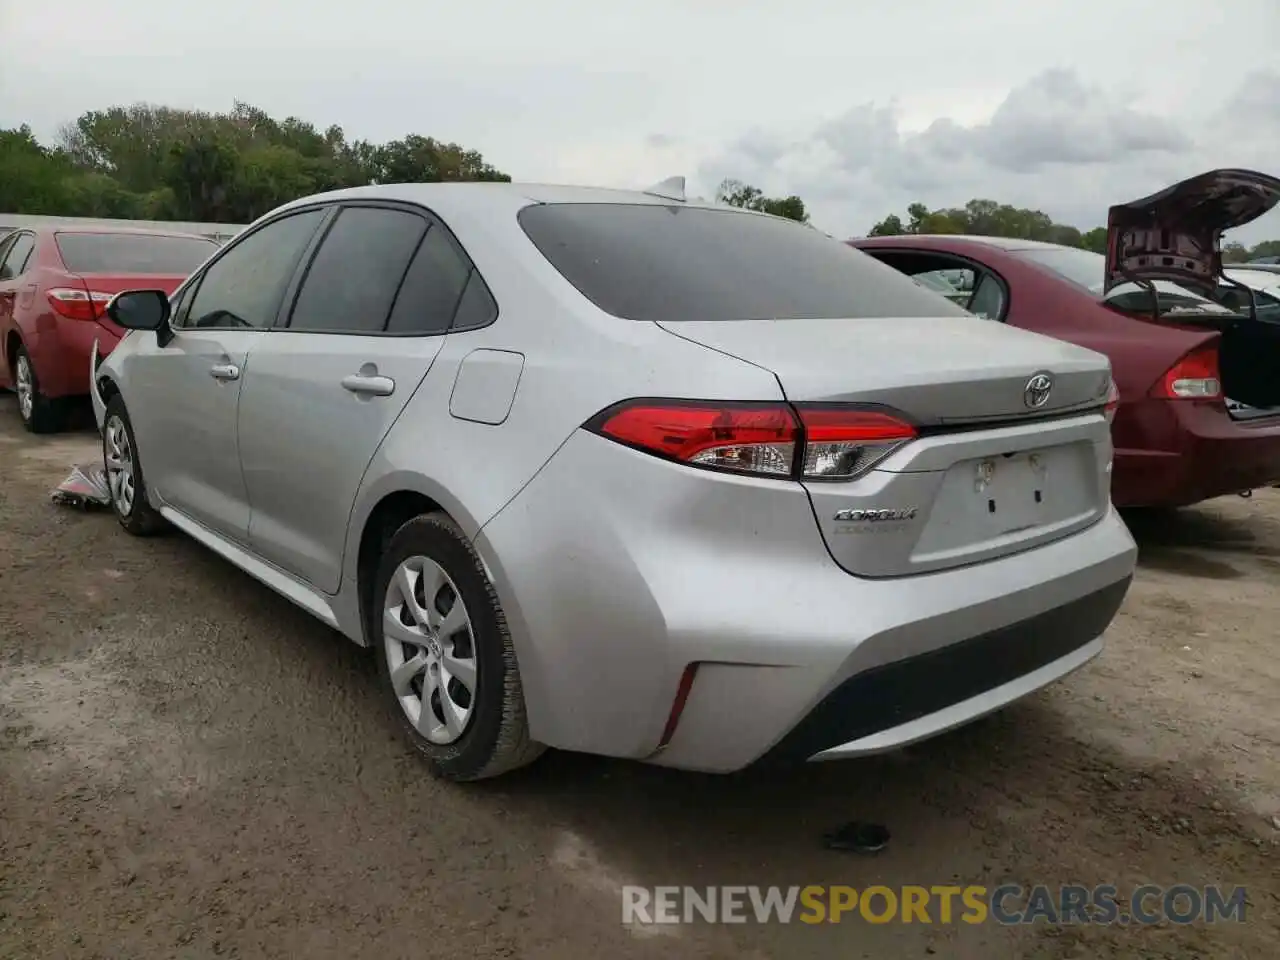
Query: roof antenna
point(671, 188)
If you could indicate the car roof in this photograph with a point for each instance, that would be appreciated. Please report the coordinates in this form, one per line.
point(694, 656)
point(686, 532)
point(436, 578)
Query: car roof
point(135, 231)
point(1004, 243)
point(475, 197)
point(940, 239)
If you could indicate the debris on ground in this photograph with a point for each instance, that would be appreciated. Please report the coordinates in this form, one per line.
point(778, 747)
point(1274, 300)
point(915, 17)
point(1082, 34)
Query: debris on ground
point(85, 487)
point(857, 837)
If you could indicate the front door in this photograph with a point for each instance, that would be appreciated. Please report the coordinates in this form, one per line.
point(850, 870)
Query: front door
point(185, 394)
point(323, 391)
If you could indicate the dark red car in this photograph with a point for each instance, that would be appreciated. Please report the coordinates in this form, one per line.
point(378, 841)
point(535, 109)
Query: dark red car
point(1199, 383)
point(54, 287)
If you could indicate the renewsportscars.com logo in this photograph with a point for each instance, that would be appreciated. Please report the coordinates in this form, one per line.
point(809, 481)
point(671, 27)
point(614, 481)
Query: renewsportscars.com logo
point(1009, 904)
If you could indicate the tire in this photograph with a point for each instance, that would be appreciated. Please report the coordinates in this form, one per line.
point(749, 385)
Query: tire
point(40, 414)
point(134, 511)
point(494, 737)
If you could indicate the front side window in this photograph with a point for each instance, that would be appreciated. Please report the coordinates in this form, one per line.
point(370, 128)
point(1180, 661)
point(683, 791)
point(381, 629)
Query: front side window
point(244, 287)
point(669, 262)
point(987, 301)
point(15, 261)
point(352, 281)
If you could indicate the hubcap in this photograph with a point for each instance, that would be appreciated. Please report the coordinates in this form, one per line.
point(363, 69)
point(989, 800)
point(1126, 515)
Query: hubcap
point(430, 650)
point(26, 392)
point(118, 460)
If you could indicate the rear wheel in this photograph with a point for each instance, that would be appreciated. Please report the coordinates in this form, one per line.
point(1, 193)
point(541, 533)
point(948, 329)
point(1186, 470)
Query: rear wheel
point(124, 473)
point(446, 656)
point(40, 414)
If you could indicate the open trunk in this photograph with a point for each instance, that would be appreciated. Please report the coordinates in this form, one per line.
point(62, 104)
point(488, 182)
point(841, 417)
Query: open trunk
point(985, 475)
point(1175, 236)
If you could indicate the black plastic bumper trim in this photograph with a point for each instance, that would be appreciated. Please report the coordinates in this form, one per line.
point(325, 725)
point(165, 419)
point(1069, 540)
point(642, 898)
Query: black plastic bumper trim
point(896, 693)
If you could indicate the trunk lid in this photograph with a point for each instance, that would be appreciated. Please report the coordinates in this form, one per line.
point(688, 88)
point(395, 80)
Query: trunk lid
point(1176, 236)
point(938, 371)
point(988, 476)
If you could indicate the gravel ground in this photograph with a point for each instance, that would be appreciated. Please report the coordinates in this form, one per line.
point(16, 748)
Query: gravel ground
point(190, 767)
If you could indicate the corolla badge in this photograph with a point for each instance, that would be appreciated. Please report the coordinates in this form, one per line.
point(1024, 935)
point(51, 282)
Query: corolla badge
point(1036, 393)
point(874, 515)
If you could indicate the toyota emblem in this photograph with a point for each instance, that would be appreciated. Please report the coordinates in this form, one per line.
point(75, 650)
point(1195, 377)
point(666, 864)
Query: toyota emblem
point(1036, 393)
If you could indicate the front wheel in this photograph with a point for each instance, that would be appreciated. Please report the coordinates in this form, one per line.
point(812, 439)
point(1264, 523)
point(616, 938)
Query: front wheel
point(446, 656)
point(124, 473)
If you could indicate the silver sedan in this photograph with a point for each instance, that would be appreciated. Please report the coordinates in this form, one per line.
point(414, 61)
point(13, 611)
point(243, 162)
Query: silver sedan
point(623, 472)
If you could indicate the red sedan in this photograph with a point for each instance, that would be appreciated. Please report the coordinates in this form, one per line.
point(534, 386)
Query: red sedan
point(54, 287)
point(1199, 411)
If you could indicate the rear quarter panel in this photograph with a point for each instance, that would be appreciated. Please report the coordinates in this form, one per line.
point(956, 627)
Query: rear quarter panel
point(577, 361)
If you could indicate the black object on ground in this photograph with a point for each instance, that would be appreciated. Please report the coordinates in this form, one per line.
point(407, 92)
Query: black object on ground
point(857, 837)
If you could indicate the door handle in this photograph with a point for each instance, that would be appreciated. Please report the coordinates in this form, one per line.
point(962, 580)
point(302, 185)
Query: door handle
point(369, 386)
point(225, 371)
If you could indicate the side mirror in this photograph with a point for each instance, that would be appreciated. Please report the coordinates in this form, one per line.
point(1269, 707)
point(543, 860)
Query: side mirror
point(140, 309)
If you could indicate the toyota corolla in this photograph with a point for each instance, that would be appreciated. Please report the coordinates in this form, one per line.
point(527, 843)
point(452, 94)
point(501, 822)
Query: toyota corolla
point(624, 473)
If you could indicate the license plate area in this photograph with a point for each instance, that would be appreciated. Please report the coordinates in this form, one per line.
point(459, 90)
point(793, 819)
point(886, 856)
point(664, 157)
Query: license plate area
point(1015, 489)
point(1003, 501)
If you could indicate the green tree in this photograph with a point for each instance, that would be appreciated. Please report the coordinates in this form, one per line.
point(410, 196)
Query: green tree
point(1235, 252)
point(1095, 240)
point(735, 193)
point(890, 226)
point(32, 179)
point(162, 163)
point(981, 217)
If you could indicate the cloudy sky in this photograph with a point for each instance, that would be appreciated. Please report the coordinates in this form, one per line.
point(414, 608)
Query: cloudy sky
point(1064, 105)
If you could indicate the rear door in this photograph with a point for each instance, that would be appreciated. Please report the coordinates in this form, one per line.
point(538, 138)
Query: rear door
point(183, 395)
point(323, 389)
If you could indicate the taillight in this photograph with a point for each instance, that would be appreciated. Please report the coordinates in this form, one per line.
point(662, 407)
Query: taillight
point(1194, 377)
point(841, 443)
point(744, 438)
point(811, 442)
point(1113, 402)
point(78, 304)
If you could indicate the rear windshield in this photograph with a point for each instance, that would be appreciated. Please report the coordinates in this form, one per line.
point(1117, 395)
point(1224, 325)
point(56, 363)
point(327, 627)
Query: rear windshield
point(132, 253)
point(1088, 270)
point(667, 262)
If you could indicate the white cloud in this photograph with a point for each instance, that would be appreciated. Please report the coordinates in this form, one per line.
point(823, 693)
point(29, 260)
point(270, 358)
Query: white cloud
point(1055, 143)
point(1066, 106)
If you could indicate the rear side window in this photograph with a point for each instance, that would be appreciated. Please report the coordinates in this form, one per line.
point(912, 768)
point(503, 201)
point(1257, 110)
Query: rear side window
point(433, 287)
point(352, 281)
point(668, 262)
point(133, 253)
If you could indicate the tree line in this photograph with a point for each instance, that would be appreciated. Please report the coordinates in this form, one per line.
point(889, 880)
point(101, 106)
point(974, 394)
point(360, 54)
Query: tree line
point(159, 163)
point(147, 162)
point(992, 219)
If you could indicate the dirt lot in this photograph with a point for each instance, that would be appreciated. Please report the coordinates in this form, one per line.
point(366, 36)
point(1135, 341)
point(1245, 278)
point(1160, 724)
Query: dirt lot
point(190, 767)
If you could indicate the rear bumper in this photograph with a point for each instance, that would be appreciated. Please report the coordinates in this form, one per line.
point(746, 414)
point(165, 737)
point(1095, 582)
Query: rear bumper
point(921, 696)
point(1193, 452)
point(618, 571)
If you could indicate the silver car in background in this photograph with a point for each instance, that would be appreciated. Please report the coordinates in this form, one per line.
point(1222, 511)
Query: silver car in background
point(623, 473)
